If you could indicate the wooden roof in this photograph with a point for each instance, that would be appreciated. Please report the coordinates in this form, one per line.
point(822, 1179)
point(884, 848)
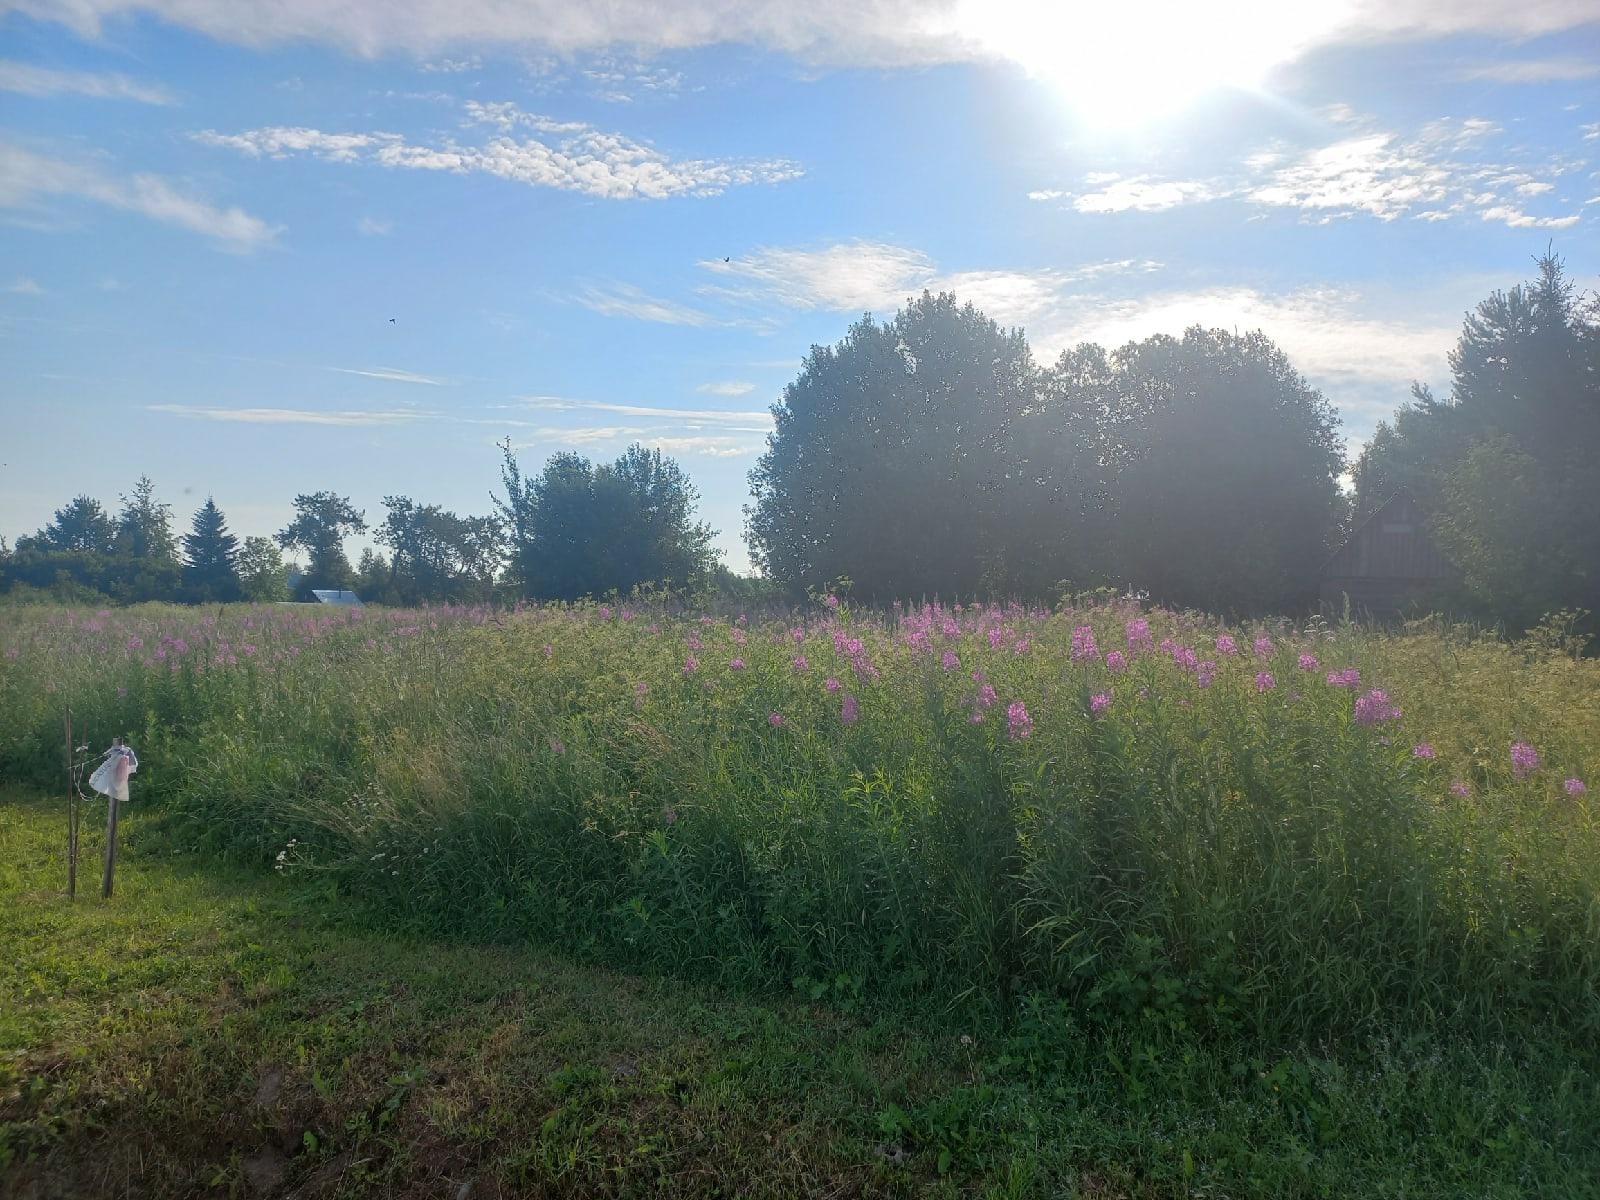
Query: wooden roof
point(1392, 543)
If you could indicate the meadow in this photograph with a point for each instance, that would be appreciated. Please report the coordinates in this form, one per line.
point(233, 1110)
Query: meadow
point(1091, 834)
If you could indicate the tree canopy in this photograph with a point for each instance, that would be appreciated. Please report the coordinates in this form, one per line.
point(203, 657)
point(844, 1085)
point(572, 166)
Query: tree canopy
point(322, 522)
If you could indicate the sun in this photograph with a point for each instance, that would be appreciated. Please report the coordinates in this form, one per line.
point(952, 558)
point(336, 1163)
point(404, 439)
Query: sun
point(1125, 62)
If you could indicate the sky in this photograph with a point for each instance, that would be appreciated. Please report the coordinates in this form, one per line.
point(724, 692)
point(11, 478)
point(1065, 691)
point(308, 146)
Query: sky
point(254, 250)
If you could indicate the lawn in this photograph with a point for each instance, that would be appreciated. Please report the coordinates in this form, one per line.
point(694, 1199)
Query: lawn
point(219, 1031)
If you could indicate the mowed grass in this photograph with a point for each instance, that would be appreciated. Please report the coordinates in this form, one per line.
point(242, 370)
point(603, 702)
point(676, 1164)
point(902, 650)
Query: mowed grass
point(220, 1031)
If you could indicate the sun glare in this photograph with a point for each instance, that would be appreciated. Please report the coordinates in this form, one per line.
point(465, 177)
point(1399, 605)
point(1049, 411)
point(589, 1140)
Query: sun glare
point(1124, 62)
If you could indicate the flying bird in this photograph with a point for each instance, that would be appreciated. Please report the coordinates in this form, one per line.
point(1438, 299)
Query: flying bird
point(391, 320)
point(727, 260)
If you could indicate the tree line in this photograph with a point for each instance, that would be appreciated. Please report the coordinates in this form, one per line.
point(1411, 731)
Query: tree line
point(930, 454)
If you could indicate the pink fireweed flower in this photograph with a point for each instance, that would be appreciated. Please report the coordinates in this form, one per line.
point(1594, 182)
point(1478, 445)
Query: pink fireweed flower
point(1205, 673)
point(1308, 662)
point(739, 637)
point(691, 664)
point(1524, 759)
point(557, 747)
point(1265, 682)
point(831, 601)
point(694, 642)
point(1099, 702)
point(775, 720)
point(987, 695)
point(135, 643)
point(849, 710)
point(1459, 788)
point(1424, 750)
point(1374, 707)
point(1138, 631)
point(605, 612)
point(978, 676)
point(1115, 662)
point(833, 685)
point(800, 664)
point(949, 661)
point(1226, 645)
point(1022, 647)
point(1262, 646)
point(1083, 647)
point(1018, 723)
point(1574, 787)
point(798, 634)
point(1185, 658)
point(1349, 677)
point(737, 664)
point(549, 650)
point(996, 636)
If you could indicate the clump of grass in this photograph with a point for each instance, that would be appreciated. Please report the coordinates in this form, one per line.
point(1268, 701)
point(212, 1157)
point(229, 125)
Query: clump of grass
point(1285, 833)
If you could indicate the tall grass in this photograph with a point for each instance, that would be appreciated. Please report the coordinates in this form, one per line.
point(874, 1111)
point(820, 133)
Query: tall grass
point(1219, 843)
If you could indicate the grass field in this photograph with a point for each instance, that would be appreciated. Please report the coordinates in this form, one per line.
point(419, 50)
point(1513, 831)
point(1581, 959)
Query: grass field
point(209, 1027)
point(992, 901)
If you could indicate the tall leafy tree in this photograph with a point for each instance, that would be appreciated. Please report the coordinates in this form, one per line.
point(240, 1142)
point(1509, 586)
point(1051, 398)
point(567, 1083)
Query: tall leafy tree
point(210, 557)
point(436, 555)
point(1225, 472)
point(890, 456)
point(322, 522)
point(578, 529)
point(263, 576)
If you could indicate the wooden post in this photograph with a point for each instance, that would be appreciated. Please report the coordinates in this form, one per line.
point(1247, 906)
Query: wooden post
point(72, 816)
point(111, 840)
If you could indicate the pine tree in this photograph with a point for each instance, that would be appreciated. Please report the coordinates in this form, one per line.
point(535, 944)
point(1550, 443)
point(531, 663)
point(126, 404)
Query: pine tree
point(211, 558)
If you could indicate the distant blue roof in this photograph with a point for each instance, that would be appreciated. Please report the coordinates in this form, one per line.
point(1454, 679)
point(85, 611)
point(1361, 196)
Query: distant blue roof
point(336, 597)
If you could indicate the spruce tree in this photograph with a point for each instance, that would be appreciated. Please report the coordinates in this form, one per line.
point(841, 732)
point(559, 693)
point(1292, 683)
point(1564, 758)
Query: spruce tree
point(211, 558)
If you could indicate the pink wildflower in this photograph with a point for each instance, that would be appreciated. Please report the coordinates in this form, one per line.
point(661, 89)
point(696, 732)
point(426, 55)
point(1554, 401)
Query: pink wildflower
point(1524, 759)
point(833, 685)
point(1099, 702)
point(775, 720)
point(1265, 682)
point(987, 695)
point(800, 664)
point(1138, 631)
point(1574, 787)
point(1374, 707)
point(737, 664)
point(1115, 662)
point(798, 634)
point(849, 710)
point(1424, 750)
point(950, 662)
point(1205, 673)
point(1308, 662)
point(831, 601)
point(1262, 646)
point(1226, 645)
point(691, 664)
point(1459, 788)
point(1349, 677)
point(1018, 723)
point(1083, 647)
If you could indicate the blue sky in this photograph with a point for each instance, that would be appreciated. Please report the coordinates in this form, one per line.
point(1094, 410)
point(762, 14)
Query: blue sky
point(599, 224)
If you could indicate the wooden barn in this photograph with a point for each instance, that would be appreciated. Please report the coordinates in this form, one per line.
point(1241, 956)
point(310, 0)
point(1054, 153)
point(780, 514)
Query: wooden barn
point(1389, 567)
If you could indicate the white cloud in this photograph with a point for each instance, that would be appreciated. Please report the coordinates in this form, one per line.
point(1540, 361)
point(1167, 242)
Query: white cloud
point(23, 286)
point(827, 32)
point(625, 300)
point(1513, 216)
point(373, 227)
point(706, 415)
point(731, 387)
point(30, 80)
point(286, 416)
point(879, 276)
point(1533, 70)
point(1438, 173)
point(1141, 194)
point(576, 157)
point(389, 373)
point(28, 179)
